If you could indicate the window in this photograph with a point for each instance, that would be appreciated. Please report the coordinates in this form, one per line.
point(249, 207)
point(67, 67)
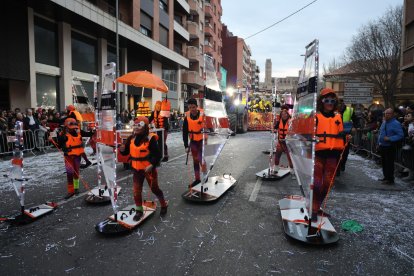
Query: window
point(111, 54)
point(46, 42)
point(170, 79)
point(84, 54)
point(47, 88)
point(163, 6)
point(178, 48)
point(145, 31)
point(163, 36)
point(88, 86)
point(146, 24)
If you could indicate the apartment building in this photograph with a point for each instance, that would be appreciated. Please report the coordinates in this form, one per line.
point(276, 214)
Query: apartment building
point(51, 41)
point(213, 42)
point(236, 59)
point(192, 78)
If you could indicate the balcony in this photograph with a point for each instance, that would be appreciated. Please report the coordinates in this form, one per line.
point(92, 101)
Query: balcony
point(181, 30)
point(195, 7)
point(193, 54)
point(184, 5)
point(208, 10)
point(208, 48)
point(192, 78)
point(208, 30)
point(194, 29)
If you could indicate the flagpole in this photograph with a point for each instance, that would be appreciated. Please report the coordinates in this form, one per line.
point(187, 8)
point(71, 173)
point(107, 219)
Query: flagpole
point(118, 98)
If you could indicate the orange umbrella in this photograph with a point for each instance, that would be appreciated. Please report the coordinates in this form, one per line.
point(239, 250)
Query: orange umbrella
point(143, 79)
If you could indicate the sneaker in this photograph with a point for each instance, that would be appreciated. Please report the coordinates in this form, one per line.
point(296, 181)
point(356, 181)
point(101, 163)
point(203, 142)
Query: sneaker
point(84, 166)
point(138, 216)
point(69, 195)
point(195, 183)
point(165, 159)
point(76, 191)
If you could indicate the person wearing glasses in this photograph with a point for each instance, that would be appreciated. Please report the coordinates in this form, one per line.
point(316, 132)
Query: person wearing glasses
point(145, 156)
point(328, 149)
point(70, 141)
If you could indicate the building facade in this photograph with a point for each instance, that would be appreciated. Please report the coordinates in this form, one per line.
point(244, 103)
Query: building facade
point(255, 75)
point(213, 26)
point(407, 49)
point(192, 78)
point(286, 85)
point(268, 74)
point(236, 59)
point(52, 42)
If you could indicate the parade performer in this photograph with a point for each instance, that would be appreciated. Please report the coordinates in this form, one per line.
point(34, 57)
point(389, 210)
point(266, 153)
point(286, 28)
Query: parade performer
point(70, 141)
point(160, 121)
point(193, 127)
point(281, 127)
point(329, 131)
point(73, 113)
point(145, 155)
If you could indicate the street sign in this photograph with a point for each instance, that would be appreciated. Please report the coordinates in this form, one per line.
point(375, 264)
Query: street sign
point(358, 92)
point(358, 84)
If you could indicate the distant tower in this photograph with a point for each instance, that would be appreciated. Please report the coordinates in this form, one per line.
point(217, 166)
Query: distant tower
point(268, 74)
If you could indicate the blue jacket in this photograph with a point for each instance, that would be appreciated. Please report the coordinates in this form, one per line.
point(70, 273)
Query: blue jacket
point(393, 130)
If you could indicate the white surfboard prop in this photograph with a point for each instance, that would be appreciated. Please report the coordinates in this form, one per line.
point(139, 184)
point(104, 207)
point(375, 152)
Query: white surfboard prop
point(269, 173)
point(123, 221)
point(106, 146)
point(16, 176)
point(215, 136)
point(301, 140)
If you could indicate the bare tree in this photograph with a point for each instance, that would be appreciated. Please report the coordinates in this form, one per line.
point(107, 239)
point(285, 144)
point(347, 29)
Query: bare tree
point(375, 53)
point(332, 66)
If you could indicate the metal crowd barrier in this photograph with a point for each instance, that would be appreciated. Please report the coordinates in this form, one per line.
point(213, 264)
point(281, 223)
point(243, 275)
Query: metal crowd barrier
point(367, 141)
point(7, 141)
point(42, 141)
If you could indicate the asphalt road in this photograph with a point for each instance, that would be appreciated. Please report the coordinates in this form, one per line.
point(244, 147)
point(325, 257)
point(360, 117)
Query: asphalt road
point(241, 234)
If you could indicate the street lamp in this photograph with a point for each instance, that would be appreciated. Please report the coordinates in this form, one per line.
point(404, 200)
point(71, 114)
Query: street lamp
point(230, 91)
point(237, 101)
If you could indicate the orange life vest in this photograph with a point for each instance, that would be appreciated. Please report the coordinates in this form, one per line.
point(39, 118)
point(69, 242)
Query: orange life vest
point(196, 126)
point(328, 129)
point(139, 155)
point(78, 116)
point(143, 109)
point(74, 144)
point(165, 108)
point(282, 129)
point(158, 120)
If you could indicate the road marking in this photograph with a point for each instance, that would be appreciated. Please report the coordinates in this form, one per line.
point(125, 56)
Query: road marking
point(72, 198)
point(123, 178)
point(178, 157)
point(256, 190)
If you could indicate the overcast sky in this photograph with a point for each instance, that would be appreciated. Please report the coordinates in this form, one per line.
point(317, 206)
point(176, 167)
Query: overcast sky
point(333, 22)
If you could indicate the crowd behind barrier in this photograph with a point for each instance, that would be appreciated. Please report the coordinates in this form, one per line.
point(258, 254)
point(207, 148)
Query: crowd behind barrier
point(367, 141)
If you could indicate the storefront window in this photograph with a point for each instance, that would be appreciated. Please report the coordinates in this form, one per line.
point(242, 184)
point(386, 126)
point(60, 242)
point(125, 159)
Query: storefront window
point(170, 79)
point(84, 54)
point(47, 91)
point(46, 42)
